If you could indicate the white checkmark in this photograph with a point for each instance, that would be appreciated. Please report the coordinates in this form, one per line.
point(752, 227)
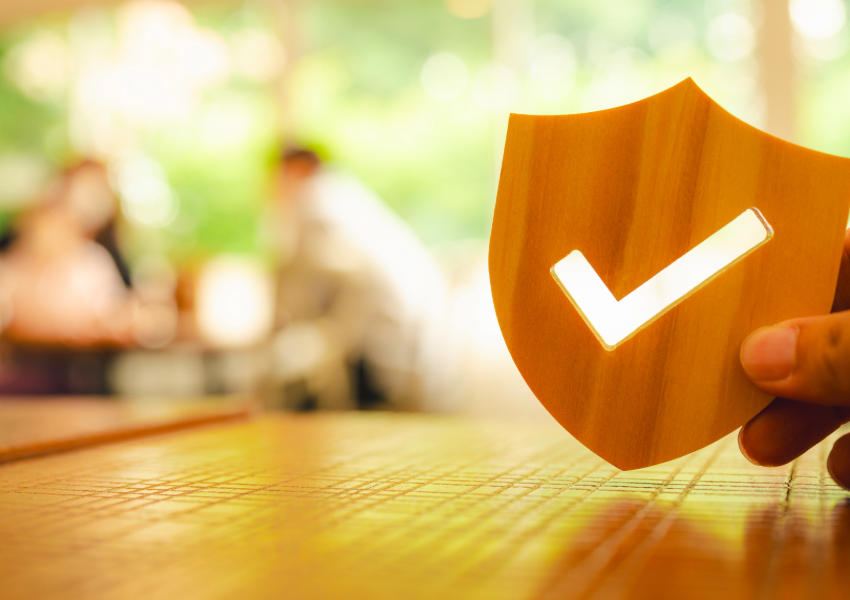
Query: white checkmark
point(614, 322)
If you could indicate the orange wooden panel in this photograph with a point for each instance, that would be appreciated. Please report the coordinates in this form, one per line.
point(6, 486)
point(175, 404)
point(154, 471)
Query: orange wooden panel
point(634, 189)
point(385, 506)
point(35, 426)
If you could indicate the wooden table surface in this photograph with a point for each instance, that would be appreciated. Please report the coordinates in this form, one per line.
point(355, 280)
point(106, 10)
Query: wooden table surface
point(378, 506)
point(35, 426)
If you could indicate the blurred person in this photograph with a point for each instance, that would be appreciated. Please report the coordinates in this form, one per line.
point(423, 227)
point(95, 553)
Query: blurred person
point(357, 294)
point(66, 293)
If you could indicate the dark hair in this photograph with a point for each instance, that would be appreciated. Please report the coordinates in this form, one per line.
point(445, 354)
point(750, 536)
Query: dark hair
point(81, 165)
point(291, 153)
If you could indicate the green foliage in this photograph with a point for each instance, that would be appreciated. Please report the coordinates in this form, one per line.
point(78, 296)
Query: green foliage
point(216, 161)
point(27, 125)
point(353, 92)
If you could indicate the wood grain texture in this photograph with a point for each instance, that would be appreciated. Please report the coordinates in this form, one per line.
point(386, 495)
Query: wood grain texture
point(634, 188)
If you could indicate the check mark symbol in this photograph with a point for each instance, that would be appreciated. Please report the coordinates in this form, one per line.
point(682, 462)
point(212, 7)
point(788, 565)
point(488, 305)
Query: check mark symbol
point(613, 322)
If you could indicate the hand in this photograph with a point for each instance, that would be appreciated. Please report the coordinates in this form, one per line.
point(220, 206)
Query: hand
point(806, 364)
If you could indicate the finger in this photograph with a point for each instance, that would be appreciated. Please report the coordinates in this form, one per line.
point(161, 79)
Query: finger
point(803, 359)
point(785, 429)
point(838, 463)
point(842, 288)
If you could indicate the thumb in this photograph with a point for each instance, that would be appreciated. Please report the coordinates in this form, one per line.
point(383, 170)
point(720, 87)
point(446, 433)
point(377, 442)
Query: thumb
point(802, 359)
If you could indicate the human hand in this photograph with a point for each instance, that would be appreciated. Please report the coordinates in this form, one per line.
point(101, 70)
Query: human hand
point(806, 364)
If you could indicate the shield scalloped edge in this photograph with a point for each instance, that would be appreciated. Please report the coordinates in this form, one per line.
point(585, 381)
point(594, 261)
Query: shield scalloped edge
point(635, 188)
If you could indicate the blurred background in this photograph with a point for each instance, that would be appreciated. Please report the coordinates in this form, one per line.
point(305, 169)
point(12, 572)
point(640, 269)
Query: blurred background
point(292, 198)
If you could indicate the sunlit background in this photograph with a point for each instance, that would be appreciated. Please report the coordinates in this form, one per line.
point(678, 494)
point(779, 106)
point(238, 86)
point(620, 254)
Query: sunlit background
point(189, 106)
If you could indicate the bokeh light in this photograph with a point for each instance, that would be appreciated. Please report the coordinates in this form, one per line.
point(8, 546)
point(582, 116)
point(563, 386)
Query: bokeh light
point(817, 19)
point(146, 198)
point(39, 66)
point(234, 302)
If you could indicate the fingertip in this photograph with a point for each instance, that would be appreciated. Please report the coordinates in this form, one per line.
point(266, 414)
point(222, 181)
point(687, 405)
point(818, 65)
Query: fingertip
point(838, 463)
point(784, 430)
point(760, 446)
point(841, 301)
point(743, 447)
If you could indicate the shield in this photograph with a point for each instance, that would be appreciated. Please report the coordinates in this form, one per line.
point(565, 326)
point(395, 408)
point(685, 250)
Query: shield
point(595, 209)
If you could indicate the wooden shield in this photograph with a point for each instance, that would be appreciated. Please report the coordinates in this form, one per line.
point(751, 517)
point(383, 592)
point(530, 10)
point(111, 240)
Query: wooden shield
point(634, 189)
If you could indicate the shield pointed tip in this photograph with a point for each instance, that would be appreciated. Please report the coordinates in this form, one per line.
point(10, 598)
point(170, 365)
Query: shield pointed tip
point(690, 87)
point(690, 83)
point(626, 466)
point(622, 462)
